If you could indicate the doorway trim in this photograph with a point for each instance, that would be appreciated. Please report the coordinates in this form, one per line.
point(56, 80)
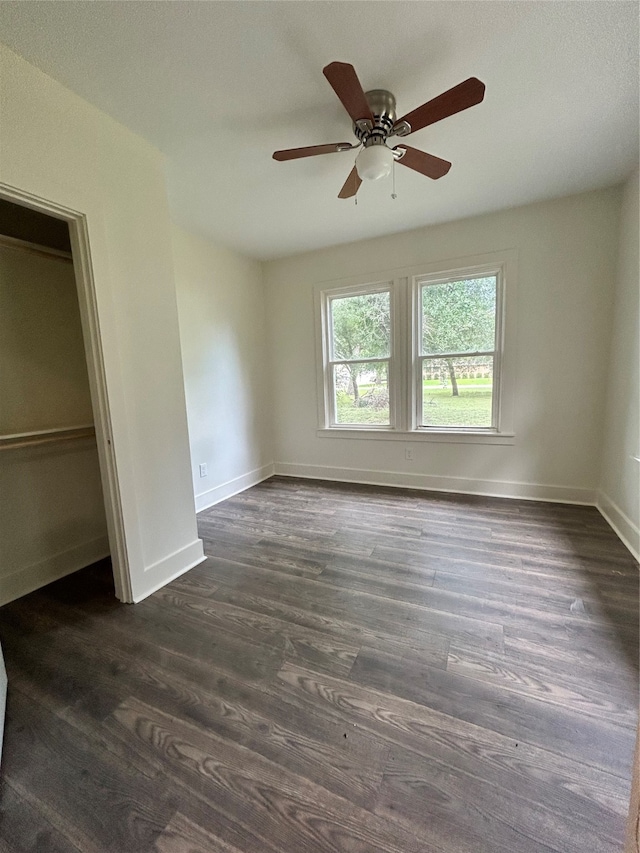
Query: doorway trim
point(87, 300)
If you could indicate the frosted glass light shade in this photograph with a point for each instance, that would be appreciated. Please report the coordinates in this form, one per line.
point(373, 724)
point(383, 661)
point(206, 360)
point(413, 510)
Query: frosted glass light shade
point(374, 162)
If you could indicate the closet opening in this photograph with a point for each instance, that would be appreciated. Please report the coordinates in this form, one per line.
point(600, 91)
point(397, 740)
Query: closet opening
point(60, 509)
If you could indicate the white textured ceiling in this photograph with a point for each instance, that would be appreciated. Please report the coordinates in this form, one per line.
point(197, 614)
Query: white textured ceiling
point(218, 86)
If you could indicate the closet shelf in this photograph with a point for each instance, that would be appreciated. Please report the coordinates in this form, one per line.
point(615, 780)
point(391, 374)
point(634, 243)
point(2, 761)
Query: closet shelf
point(54, 436)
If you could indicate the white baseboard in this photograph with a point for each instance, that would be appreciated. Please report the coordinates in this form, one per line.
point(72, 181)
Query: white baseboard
point(429, 482)
point(232, 487)
point(169, 568)
point(32, 577)
point(626, 529)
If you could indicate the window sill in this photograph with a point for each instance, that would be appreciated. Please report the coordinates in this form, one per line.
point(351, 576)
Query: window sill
point(449, 436)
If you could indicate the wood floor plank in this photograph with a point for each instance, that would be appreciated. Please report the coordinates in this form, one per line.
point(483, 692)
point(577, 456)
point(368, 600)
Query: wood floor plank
point(594, 645)
point(283, 540)
point(431, 647)
point(485, 755)
point(563, 691)
point(373, 584)
point(511, 714)
point(182, 835)
point(192, 584)
point(353, 669)
point(492, 819)
point(547, 593)
point(387, 614)
point(432, 544)
point(287, 812)
point(84, 788)
point(25, 828)
point(296, 643)
point(591, 665)
point(273, 557)
point(437, 555)
point(211, 698)
point(521, 612)
point(369, 565)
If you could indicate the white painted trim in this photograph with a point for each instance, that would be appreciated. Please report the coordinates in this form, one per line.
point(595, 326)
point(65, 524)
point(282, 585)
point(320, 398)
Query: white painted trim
point(232, 487)
point(627, 531)
point(498, 271)
point(450, 437)
point(432, 483)
point(174, 563)
point(323, 309)
point(29, 578)
point(177, 557)
point(121, 542)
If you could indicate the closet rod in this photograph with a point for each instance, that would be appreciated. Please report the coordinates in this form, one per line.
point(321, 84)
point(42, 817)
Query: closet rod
point(54, 436)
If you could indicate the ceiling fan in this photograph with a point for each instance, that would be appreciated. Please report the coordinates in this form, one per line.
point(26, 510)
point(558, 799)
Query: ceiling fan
point(374, 121)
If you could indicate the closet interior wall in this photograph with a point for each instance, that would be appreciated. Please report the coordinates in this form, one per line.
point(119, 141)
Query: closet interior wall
point(52, 516)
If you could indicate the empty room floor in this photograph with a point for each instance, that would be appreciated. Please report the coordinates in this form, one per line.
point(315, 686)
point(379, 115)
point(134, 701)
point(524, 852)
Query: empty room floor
point(352, 669)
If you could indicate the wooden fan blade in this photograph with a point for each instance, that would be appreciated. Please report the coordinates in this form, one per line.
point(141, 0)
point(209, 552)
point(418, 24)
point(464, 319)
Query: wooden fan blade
point(344, 82)
point(420, 161)
point(351, 185)
point(312, 150)
point(461, 97)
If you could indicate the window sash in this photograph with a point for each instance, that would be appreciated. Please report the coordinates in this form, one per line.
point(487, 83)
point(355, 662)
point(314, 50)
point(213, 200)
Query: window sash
point(331, 387)
point(422, 285)
point(330, 362)
point(461, 354)
point(387, 287)
point(419, 357)
point(420, 425)
point(359, 360)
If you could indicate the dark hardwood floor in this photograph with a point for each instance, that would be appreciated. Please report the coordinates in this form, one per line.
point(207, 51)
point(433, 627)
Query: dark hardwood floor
point(352, 669)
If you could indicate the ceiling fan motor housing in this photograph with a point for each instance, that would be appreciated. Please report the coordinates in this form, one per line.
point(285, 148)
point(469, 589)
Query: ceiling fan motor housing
point(383, 107)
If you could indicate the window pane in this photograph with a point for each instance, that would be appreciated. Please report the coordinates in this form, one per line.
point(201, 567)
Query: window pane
point(459, 316)
point(361, 326)
point(457, 392)
point(362, 393)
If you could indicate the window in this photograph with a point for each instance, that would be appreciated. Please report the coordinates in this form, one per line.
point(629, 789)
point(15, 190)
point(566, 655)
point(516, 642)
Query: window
point(359, 347)
point(422, 353)
point(457, 353)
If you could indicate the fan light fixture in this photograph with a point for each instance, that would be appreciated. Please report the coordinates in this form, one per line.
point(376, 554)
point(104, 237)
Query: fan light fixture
point(374, 162)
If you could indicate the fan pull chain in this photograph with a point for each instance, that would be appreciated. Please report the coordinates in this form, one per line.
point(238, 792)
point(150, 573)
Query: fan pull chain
point(393, 176)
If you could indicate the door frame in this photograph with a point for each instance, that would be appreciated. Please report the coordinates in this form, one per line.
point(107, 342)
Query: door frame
point(90, 320)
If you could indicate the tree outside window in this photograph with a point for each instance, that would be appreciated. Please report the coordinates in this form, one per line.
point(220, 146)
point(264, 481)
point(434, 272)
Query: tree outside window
point(361, 347)
point(457, 348)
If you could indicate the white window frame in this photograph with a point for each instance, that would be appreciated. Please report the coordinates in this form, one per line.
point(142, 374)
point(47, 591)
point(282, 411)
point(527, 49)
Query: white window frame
point(404, 285)
point(418, 282)
point(329, 362)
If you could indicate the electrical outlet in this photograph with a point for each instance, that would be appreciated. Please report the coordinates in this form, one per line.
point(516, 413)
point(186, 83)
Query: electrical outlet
point(203, 469)
point(408, 454)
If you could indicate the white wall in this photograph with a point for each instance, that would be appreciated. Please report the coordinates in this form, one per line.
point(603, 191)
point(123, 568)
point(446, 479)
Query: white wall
point(57, 147)
point(566, 269)
point(619, 498)
point(52, 518)
point(224, 353)
point(43, 370)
